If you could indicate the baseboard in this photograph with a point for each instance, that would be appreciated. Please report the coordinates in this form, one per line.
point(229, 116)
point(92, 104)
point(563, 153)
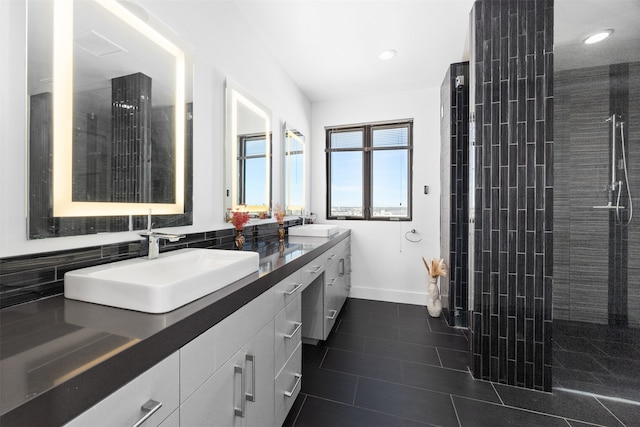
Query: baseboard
point(389, 295)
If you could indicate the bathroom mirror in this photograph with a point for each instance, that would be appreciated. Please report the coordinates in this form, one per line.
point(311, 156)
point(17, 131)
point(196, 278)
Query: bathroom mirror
point(110, 119)
point(294, 171)
point(247, 153)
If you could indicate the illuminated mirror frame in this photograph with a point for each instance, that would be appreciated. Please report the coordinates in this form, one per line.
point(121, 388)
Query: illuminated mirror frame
point(291, 136)
point(63, 204)
point(235, 95)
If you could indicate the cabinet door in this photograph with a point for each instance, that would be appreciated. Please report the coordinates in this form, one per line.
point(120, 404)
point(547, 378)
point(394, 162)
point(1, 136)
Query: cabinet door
point(219, 401)
point(240, 393)
point(259, 362)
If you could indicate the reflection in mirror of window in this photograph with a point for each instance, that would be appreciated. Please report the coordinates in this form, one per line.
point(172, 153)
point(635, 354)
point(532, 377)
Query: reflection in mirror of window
point(294, 172)
point(247, 154)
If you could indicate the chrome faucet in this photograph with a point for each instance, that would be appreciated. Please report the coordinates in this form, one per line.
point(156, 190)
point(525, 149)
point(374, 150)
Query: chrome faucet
point(155, 236)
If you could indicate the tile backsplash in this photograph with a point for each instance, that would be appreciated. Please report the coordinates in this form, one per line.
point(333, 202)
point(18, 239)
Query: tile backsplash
point(30, 277)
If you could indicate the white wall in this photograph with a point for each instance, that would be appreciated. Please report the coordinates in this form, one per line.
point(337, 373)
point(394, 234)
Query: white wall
point(222, 44)
point(387, 267)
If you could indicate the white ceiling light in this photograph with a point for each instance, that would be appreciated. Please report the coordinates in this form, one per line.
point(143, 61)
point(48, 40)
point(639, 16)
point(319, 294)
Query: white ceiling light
point(387, 54)
point(598, 37)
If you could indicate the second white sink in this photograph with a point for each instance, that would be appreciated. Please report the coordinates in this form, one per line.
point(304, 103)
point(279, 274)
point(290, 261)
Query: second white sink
point(313, 230)
point(162, 284)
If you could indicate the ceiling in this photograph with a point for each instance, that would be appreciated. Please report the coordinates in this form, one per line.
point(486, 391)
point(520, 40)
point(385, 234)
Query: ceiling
point(330, 48)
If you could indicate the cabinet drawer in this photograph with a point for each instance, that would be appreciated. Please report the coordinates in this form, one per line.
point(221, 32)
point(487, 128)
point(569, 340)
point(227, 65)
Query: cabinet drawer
point(288, 384)
point(286, 291)
point(124, 406)
point(311, 271)
point(288, 331)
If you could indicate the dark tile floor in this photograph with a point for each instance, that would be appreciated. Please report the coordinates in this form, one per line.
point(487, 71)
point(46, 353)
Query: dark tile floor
point(388, 364)
point(598, 359)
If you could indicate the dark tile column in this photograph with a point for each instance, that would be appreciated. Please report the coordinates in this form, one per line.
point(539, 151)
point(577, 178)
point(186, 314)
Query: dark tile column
point(454, 174)
point(512, 62)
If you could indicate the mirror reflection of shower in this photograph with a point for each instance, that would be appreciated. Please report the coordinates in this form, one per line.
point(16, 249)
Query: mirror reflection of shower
point(616, 185)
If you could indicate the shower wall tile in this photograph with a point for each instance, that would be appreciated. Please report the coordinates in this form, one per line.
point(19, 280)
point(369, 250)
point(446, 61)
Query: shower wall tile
point(454, 175)
point(35, 276)
point(513, 244)
point(595, 261)
point(633, 164)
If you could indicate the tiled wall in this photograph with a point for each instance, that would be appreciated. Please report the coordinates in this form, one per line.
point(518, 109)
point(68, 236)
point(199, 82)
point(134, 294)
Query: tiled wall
point(512, 65)
point(454, 184)
point(595, 283)
point(34, 276)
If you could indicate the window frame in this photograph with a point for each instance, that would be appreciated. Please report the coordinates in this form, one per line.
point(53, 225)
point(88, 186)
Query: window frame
point(367, 151)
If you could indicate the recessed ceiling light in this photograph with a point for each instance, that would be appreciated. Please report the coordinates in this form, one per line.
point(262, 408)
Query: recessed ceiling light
point(598, 37)
point(388, 54)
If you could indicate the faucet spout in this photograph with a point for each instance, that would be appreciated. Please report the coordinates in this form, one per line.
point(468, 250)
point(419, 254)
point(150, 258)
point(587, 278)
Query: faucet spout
point(154, 239)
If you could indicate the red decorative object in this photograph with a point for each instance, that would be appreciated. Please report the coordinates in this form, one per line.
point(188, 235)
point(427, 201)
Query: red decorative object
point(239, 219)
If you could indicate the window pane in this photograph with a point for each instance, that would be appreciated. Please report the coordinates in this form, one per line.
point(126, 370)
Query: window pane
point(391, 137)
point(346, 184)
point(256, 146)
point(390, 186)
point(255, 172)
point(351, 139)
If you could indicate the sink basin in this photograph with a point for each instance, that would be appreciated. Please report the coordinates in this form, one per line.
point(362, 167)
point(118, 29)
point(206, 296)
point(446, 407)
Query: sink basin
point(313, 230)
point(162, 284)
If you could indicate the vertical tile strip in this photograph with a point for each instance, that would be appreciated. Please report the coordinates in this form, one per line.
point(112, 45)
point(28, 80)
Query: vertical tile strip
point(511, 322)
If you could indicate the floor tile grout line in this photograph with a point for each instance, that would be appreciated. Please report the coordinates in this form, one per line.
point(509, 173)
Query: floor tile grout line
point(304, 399)
point(365, 408)
point(412, 386)
point(533, 411)
point(455, 410)
point(467, 371)
point(439, 358)
point(355, 392)
point(609, 410)
point(498, 394)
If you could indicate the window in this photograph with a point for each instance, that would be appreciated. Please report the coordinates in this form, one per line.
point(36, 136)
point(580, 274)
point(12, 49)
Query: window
point(252, 169)
point(369, 171)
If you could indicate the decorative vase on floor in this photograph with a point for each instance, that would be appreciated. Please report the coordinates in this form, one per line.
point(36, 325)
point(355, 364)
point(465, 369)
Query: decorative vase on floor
point(239, 240)
point(434, 304)
point(280, 232)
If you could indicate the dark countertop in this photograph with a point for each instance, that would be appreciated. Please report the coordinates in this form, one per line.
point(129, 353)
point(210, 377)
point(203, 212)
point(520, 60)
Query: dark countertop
point(59, 357)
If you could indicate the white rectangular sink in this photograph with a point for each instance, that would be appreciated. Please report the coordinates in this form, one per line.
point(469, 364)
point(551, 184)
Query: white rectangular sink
point(313, 230)
point(162, 284)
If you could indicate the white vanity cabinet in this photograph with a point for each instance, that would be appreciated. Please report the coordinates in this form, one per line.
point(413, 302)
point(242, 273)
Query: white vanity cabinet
point(324, 297)
point(288, 353)
point(240, 393)
point(247, 369)
point(227, 372)
point(151, 399)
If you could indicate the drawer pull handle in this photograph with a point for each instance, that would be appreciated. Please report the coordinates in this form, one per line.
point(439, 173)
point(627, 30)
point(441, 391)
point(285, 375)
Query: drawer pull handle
point(331, 282)
point(295, 288)
point(290, 393)
point(317, 269)
point(331, 257)
point(333, 316)
point(148, 409)
point(239, 411)
point(297, 328)
point(251, 397)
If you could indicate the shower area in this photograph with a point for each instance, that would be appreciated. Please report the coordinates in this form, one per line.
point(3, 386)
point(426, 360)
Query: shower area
point(596, 252)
